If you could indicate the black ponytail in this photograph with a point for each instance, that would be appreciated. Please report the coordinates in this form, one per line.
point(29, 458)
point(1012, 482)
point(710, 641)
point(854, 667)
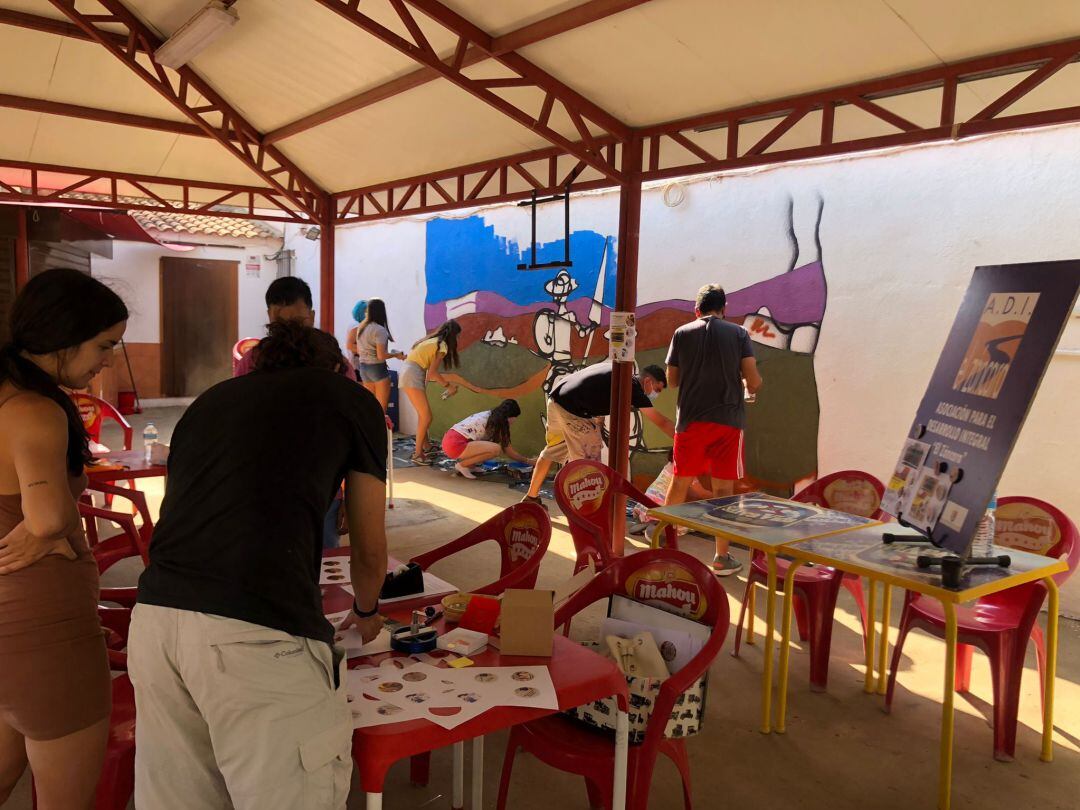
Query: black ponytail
point(57, 310)
point(498, 424)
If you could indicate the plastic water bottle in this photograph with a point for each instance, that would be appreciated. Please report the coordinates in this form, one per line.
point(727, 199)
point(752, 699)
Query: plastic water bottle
point(983, 545)
point(149, 437)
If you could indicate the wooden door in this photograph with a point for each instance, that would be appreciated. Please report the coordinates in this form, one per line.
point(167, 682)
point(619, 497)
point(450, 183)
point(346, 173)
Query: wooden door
point(198, 323)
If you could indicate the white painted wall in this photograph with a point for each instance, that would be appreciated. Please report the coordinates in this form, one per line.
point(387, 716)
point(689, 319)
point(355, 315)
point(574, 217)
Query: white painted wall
point(133, 273)
point(901, 233)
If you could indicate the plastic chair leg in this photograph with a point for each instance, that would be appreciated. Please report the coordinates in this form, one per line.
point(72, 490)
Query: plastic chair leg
point(507, 769)
point(898, 649)
point(420, 769)
point(854, 586)
point(1040, 660)
point(964, 654)
point(598, 797)
point(747, 602)
point(1006, 669)
point(820, 603)
point(801, 617)
point(676, 751)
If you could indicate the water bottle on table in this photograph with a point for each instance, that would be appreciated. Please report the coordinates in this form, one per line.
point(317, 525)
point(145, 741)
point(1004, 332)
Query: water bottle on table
point(149, 437)
point(983, 544)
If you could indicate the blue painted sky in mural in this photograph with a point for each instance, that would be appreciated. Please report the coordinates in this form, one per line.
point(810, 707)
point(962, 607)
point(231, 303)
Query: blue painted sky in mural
point(464, 255)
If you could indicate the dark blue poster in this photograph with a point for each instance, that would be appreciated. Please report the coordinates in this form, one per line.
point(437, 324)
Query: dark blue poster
point(990, 368)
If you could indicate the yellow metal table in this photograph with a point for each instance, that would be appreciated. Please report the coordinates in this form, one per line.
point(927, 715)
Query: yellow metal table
point(767, 524)
point(863, 553)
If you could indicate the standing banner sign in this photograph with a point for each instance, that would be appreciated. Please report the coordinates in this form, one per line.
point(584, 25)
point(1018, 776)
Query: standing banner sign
point(993, 362)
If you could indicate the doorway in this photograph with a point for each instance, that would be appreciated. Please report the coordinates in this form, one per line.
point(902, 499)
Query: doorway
point(198, 323)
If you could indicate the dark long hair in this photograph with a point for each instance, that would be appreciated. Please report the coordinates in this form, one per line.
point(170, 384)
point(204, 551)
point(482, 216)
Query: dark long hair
point(448, 334)
point(290, 344)
point(58, 310)
point(376, 313)
point(498, 423)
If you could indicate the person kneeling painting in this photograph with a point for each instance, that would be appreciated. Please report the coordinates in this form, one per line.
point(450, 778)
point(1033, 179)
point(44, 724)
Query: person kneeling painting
point(239, 690)
point(482, 437)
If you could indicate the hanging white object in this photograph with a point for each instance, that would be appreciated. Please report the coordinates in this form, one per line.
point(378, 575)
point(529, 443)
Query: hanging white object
point(194, 36)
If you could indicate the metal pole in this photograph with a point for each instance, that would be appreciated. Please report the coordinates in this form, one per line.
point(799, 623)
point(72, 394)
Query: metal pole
point(22, 251)
point(326, 269)
point(625, 301)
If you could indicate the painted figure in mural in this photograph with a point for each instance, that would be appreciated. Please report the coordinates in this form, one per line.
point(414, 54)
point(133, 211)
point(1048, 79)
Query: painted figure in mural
point(576, 409)
point(554, 329)
point(372, 338)
point(421, 366)
point(710, 361)
point(483, 436)
point(55, 690)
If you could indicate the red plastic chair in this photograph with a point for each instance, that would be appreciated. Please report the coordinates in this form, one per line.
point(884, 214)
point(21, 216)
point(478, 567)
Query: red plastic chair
point(94, 411)
point(817, 588)
point(568, 745)
point(1000, 624)
point(523, 532)
point(585, 491)
point(242, 347)
point(132, 540)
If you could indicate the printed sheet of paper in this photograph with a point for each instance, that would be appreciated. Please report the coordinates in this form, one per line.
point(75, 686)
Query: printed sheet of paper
point(351, 641)
point(335, 571)
point(432, 585)
point(442, 695)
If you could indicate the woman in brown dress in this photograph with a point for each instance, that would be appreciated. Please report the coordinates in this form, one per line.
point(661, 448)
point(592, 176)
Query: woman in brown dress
point(54, 672)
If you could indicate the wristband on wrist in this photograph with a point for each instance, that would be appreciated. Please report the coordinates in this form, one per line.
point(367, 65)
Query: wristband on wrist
point(365, 614)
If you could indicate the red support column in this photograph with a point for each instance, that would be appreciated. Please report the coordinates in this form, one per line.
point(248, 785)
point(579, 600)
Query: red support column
point(625, 301)
point(326, 271)
point(22, 251)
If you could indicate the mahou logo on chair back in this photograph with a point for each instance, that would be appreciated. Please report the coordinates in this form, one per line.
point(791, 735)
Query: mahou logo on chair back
point(88, 411)
point(586, 488)
point(670, 585)
point(522, 538)
point(1026, 527)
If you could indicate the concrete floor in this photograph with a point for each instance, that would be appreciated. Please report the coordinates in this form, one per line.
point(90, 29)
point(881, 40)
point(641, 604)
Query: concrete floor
point(841, 749)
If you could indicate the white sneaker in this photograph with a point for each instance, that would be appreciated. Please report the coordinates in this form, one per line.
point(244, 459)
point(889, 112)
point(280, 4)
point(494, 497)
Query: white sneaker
point(464, 471)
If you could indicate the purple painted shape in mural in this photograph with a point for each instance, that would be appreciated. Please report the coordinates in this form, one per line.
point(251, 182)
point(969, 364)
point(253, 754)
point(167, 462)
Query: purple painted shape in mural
point(792, 298)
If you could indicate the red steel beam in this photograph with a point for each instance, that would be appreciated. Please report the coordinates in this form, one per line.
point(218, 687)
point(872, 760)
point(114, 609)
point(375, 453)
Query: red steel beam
point(34, 183)
point(1040, 62)
point(467, 33)
point(48, 25)
point(215, 117)
point(104, 116)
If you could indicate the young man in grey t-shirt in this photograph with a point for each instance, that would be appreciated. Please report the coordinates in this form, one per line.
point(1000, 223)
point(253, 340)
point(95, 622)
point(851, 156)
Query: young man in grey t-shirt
point(708, 360)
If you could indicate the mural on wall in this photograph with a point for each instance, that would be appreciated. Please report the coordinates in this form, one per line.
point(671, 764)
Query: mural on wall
point(523, 329)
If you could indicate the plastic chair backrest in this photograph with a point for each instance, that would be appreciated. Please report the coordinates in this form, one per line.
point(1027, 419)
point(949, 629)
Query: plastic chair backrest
point(522, 532)
point(94, 411)
point(673, 581)
point(585, 491)
point(1028, 524)
point(852, 491)
point(242, 347)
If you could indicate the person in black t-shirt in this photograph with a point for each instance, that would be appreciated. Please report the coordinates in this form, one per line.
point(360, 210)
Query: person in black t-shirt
point(576, 409)
point(238, 687)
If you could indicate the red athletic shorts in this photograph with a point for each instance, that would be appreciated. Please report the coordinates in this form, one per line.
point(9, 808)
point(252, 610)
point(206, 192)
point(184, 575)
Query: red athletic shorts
point(454, 444)
point(705, 448)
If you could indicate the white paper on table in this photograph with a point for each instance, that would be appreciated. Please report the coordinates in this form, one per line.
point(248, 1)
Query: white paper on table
point(352, 642)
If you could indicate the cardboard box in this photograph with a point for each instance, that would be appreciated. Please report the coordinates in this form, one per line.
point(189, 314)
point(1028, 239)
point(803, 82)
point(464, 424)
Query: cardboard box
point(527, 622)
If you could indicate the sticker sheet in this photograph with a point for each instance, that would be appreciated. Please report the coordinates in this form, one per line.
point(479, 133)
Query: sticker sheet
point(445, 696)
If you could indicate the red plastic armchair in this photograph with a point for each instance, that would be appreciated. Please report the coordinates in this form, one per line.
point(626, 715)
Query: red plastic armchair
point(816, 588)
point(94, 411)
point(242, 347)
point(523, 532)
point(570, 746)
point(1002, 624)
point(585, 491)
point(131, 541)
